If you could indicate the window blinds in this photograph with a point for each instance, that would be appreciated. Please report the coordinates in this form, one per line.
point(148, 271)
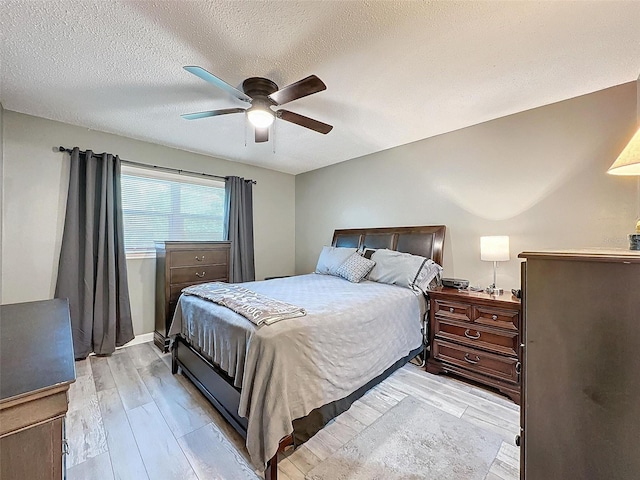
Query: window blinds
point(160, 206)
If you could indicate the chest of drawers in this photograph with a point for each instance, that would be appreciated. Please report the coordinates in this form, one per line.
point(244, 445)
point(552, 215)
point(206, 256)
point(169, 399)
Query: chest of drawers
point(178, 265)
point(477, 336)
point(36, 369)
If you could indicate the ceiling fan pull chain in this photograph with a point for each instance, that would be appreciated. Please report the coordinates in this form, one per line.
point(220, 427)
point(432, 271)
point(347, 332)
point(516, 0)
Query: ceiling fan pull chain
point(245, 132)
point(273, 139)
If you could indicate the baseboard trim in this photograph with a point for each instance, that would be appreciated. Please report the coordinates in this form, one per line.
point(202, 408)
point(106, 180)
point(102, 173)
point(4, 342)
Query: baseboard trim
point(142, 338)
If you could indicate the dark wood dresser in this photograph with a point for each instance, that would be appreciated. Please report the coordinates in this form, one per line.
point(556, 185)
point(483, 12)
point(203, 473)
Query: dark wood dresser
point(178, 265)
point(477, 336)
point(580, 415)
point(36, 369)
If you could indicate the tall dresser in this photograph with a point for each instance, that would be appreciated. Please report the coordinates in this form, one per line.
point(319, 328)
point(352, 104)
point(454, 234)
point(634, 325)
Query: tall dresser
point(36, 369)
point(581, 365)
point(178, 265)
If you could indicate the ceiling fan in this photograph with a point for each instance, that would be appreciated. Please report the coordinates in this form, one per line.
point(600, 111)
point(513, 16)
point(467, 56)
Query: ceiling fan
point(263, 94)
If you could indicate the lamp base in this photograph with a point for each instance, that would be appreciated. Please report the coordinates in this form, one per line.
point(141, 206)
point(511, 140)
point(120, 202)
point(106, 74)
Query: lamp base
point(494, 291)
point(634, 241)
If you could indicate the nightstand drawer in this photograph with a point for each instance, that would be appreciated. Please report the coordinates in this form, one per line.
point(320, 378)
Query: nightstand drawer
point(459, 311)
point(498, 341)
point(192, 275)
point(496, 317)
point(485, 363)
point(186, 258)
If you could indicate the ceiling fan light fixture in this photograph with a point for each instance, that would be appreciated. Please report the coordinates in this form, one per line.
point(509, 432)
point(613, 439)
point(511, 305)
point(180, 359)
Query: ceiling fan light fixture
point(260, 116)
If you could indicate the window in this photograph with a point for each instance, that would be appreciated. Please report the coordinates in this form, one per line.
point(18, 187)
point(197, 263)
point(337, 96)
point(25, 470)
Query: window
point(165, 206)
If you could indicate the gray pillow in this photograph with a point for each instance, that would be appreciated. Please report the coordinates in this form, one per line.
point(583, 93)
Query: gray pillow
point(331, 258)
point(403, 269)
point(355, 268)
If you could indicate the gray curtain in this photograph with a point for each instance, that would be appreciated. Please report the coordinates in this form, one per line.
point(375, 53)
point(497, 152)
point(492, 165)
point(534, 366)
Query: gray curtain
point(92, 272)
point(238, 228)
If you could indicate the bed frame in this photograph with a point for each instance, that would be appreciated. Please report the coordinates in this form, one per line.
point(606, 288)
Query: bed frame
point(217, 386)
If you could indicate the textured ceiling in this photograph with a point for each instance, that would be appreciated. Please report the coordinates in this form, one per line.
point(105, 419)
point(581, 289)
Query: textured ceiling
point(396, 71)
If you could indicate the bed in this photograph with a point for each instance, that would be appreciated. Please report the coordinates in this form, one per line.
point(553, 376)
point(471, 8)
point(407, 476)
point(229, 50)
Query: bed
point(279, 384)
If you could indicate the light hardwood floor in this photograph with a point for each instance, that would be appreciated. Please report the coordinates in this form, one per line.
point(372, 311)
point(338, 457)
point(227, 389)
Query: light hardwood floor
point(130, 418)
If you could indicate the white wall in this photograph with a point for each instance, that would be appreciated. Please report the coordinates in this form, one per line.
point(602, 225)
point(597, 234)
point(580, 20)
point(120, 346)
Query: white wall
point(35, 190)
point(537, 176)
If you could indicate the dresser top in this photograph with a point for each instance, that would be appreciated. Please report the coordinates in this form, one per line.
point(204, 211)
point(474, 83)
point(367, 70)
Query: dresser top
point(36, 348)
point(586, 255)
point(471, 296)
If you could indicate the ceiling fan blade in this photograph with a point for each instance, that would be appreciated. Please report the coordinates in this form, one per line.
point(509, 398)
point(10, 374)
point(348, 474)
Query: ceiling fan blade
point(301, 88)
point(211, 78)
point(262, 135)
point(304, 121)
point(211, 113)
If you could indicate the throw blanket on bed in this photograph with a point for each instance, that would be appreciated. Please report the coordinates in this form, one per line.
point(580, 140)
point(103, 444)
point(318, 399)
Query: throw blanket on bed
point(255, 307)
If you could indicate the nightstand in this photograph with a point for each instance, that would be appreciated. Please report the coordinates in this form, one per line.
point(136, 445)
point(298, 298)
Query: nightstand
point(477, 336)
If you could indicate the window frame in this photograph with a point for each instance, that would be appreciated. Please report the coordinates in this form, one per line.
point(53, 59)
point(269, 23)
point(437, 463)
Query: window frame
point(179, 177)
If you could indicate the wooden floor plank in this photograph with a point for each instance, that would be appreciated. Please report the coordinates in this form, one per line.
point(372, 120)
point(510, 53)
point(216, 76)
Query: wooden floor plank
point(304, 459)
point(492, 423)
point(83, 367)
point(95, 468)
point(142, 355)
point(212, 456)
point(161, 454)
point(323, 444)
point(182, 413)
point(131, 388)
point(85, 433)
point(340, 431)
point(287, 469)
point(120, 440)
point(102, 377)
point(81, 392)
point(364, 413)
point(426, 381)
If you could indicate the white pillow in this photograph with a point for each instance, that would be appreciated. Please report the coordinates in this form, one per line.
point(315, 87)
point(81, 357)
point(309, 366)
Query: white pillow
point(331, 258)
point(404, 269)
point(355, 268)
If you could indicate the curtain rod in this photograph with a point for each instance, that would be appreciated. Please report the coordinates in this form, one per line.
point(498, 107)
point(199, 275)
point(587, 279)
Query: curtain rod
point(157, 167)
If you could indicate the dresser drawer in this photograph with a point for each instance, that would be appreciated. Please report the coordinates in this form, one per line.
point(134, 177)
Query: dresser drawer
point(496, 317)
point(192, 275)
point(498, 341)
point(476, 360)
point(460, 311)
point(186, 258)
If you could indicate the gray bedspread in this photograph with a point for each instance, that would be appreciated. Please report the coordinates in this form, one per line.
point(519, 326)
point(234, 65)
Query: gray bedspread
point(352, 333)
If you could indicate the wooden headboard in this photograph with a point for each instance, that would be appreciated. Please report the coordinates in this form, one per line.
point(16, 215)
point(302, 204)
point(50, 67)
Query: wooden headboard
point(426, 241)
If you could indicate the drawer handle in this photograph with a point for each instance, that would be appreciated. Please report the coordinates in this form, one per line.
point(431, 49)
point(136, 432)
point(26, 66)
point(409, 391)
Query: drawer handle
point(494, 317)
point(467, 333)
point(518, 368)
point(201, 275)
point(200, 259)
point(451, 309)
point(466, 357)
point(65, 447)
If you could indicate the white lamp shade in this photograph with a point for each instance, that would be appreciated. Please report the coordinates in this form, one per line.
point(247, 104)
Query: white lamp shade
point(494, 249)
point(628, 162)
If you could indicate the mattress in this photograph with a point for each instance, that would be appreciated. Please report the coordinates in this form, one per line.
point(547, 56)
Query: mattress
point(351, 334)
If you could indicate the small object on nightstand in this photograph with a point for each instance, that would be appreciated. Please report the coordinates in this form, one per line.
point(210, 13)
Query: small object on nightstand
point(455, 283)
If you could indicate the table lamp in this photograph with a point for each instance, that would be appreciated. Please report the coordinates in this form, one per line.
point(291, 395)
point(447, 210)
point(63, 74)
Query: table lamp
point(628, 163)
point(494, 249)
